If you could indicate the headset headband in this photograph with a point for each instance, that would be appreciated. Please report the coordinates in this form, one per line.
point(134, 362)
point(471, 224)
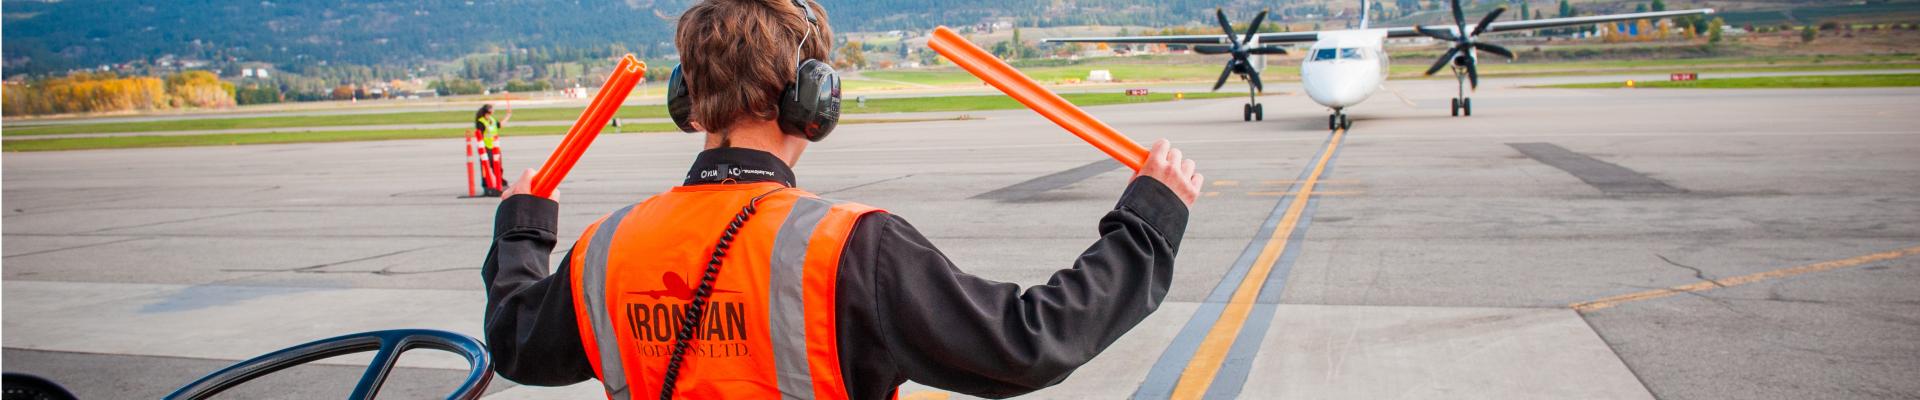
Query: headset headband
point(813, 24)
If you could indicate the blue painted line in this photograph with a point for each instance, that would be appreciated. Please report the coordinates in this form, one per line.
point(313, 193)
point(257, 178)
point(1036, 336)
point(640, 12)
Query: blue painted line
point(1246, 345)
point(1173, 361)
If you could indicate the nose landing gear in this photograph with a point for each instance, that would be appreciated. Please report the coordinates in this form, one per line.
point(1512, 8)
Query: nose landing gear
point(1338, 121)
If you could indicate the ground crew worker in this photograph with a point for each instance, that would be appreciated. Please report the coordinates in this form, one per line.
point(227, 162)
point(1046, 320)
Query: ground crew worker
point(799, 296)
point(489, 128)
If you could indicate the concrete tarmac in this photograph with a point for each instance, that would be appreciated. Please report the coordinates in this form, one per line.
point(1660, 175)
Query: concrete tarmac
point(1429, 256)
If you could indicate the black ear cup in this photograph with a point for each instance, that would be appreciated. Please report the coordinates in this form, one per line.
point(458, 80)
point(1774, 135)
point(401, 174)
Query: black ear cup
point(811, 105)
point(679, 106)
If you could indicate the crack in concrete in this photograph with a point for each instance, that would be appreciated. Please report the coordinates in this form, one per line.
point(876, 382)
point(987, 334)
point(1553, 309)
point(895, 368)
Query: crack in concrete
point(75, 247)
point(865, 184)
point(1697, 274)
point(315, 269)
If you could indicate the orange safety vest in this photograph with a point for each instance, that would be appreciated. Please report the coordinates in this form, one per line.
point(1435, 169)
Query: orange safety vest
point(769, 327)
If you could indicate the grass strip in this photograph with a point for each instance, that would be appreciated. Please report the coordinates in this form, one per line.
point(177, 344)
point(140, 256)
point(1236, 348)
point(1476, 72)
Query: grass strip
point(881, 105)
point(998, 102)
point(1765, 82)
point(234, 139)
point(308, 121)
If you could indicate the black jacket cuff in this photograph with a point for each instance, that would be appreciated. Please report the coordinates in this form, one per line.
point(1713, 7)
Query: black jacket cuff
point(524, 211)
point(1155, 203)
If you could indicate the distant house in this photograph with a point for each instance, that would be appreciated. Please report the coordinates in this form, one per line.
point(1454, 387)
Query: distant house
point(257, 70)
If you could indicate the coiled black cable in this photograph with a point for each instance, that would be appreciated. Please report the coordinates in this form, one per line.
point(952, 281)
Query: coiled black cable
point(696, 310)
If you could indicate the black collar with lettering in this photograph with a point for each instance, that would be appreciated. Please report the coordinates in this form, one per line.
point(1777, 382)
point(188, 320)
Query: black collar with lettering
point(738, 165)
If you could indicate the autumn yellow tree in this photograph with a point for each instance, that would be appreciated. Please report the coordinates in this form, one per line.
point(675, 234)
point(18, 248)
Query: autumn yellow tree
point(200, 89)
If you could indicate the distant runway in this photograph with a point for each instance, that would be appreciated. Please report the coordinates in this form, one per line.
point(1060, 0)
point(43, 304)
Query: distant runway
point(1698, 244)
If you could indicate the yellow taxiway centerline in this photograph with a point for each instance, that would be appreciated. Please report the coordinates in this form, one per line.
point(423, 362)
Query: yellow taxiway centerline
point(1213, 349)
point(1744, 279)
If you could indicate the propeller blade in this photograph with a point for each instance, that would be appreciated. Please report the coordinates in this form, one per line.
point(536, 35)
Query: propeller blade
point(1253, 77)
point(1495, 49)
point(1213, 49)
point(1459, 18)
point(1444, 59)
point(1488, 20)
point(1473, 72)
point(1226, 27)
point(1266, 50)
point(1255, 27)
point(1224, 73)
point(1436, 33)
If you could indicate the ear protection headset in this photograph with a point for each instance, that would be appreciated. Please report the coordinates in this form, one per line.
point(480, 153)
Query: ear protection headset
point(810, 105)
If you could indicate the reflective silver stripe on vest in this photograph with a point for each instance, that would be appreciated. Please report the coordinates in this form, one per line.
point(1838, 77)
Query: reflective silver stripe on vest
point(786, 294)
point(594, 281)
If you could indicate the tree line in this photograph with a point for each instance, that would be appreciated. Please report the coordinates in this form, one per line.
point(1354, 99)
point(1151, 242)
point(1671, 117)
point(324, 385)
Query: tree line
point(106, 92)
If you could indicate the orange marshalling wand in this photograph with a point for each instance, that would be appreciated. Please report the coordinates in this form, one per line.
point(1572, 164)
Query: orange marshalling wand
point(1017, 85)
point(581, 135)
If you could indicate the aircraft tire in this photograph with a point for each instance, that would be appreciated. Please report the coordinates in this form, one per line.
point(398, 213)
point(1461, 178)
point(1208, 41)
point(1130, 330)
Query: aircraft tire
point(1466, 106)
point(1259, 112)
point(1246, 112)
point(1456, 106)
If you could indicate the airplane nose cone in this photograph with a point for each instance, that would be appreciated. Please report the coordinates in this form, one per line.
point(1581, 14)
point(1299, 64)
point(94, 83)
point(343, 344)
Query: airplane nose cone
point(1340, 84)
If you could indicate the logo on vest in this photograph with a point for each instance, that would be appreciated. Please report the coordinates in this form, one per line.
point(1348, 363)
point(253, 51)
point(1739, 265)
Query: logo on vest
point(721, 332)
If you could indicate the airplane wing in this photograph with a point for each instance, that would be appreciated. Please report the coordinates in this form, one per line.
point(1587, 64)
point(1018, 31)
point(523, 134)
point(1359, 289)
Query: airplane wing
point(1509, 26)
point(1405, 31)
point(1265, 38)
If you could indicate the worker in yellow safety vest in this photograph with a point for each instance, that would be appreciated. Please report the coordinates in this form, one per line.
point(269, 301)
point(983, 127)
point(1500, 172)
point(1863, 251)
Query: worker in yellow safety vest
point(489, 128)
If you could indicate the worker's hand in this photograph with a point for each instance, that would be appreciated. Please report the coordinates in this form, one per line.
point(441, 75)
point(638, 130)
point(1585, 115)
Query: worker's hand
point(1167, 165)
point(524, 185)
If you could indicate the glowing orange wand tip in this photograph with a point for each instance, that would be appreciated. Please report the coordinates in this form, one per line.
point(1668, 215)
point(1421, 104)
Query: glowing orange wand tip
point(584, 130)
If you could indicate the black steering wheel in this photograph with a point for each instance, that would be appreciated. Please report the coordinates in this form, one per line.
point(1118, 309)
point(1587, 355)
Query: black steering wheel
point(389, 343)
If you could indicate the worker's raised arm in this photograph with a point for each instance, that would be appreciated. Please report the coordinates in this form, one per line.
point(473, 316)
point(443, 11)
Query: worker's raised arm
point(942, 327)
point(530, 324)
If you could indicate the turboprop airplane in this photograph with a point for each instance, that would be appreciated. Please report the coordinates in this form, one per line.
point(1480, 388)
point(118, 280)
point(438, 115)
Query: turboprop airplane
point(1345, 67)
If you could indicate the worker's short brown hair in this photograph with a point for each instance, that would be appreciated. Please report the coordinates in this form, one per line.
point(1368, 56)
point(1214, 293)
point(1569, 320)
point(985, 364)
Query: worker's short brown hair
point(737, 55)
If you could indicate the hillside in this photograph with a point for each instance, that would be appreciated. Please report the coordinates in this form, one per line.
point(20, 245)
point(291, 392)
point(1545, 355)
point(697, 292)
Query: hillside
point(52, 36)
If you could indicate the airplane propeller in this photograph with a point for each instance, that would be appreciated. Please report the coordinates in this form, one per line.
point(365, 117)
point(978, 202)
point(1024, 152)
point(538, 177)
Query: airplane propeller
point(1237, 46)
point(1462, 53)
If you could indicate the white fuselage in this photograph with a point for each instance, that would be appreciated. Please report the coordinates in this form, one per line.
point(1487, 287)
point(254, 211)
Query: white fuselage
point(1344, 68)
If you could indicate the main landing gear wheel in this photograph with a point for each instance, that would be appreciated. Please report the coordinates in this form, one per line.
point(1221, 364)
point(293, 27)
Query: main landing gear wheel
point(1253, 112)
point(1462, 106)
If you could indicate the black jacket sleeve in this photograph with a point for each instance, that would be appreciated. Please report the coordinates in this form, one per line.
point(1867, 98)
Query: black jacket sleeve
point(909, 313)
point(530, 320)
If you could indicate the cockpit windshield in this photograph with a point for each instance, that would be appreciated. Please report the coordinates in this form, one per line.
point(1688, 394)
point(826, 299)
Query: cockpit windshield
point(1325, 54)
point(1338, 54)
